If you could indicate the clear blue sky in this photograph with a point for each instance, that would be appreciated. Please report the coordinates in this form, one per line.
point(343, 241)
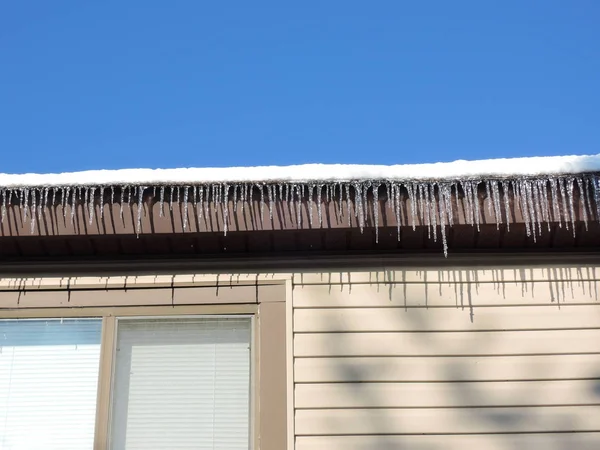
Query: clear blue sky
point(148, 83)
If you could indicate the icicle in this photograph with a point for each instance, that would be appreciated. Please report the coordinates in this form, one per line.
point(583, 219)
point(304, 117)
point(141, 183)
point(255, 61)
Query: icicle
point(570, 185)
point(387, 205)
point(21, 205)
point(506, 195)
point(216, 198)
point(433, 211)
point(90, 204)
point(25, 203)
point(243, 196)
point(298, 202)
point(420, 194)
point(531, 208)
point(271, 197)
point(250, 195)
point(4, 205)
point(555, 207)
point(185, 207)
point(596, 186)
point(74, 197)
point(86, 194)
point(349, 212)
point(206, 202)
point(589, 194)
point(121, 202)
point(398, 208)
point(102, 202)
point(467, 189)
point(488, 197)
point(449, 203)
point(541, 194)
point(443, 212)
point(262, 203)
point(583, 200)
point(140, 204)
point(496, 200)
point(535, 205)
point(311, 191)
point(563, 196)
point(65, 199)
point(425, 204)
point(112, 195)
point(171, 195)
point(54, 190)
point(225, 207)
point(475, 204)
point(33, 211)
point(328, 192)
point(195, 201)
point(201, 202)
point(358, 206)
point(130, 193)
point(376, 210)
point(520, 195)
point(419, 205)
point(319, 205)
point(542, 204)
point(365, 191)
point(235, 197)
point(161, 202)
point(43, 201)
point(280, 191)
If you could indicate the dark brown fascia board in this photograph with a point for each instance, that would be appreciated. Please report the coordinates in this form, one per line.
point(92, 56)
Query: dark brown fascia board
point(300, 263)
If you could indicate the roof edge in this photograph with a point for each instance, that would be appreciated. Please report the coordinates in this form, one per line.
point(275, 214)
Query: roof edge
point(502, 168)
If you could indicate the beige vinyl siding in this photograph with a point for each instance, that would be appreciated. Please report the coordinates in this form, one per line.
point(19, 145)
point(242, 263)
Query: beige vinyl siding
point(447, 359)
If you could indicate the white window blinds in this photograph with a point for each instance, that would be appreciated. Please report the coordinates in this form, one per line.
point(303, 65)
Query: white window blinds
point(182, 384)
point(48, 383)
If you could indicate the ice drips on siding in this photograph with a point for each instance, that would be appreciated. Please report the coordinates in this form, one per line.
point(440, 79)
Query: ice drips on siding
point(540, 200)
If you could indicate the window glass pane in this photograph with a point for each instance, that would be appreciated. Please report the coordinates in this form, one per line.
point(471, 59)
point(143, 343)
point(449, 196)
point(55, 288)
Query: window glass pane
point(48, 383)
point(182, 383)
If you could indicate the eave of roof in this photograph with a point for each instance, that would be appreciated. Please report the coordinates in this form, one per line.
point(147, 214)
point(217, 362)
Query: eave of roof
point(510, 168)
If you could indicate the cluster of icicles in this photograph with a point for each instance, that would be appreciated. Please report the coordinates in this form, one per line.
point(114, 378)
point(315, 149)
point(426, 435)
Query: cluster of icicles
point(540, 200)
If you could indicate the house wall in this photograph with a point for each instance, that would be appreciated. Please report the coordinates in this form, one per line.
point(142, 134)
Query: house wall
point(441, 358)
point(447, 359)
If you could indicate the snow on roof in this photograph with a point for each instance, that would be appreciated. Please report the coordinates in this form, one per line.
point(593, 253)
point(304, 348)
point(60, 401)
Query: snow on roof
point(491, 168)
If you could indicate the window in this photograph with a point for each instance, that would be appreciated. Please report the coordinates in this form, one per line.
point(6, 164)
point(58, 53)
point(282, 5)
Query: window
point(181, 383)
point(163, 368)
point(48, 383)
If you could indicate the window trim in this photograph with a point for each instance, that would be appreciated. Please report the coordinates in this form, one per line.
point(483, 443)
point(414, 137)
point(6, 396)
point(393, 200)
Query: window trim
point(269, 305)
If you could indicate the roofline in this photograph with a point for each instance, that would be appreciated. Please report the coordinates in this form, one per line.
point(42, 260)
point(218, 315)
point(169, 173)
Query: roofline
point(499, 169)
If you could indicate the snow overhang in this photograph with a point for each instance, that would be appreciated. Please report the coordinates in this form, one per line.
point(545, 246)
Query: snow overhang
point(510, 168)
point(563, 190)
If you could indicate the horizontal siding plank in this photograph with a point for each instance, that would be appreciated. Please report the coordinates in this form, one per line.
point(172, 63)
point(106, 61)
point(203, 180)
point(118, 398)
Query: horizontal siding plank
point(447, 343)
point(463, 420)
point(469, 368)
point(444, 294)
point(445, 395)
point(480, 274)
point(574, 441)
point(446, 319)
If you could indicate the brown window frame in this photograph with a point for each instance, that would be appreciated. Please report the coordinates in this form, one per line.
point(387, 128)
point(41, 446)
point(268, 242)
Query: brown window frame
point(265, 302)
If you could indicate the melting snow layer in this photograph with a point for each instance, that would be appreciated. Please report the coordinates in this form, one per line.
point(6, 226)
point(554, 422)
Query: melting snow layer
point(491, 168)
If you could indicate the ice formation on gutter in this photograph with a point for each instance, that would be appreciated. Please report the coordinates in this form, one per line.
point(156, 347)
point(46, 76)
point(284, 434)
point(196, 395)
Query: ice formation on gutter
point(545, 190)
